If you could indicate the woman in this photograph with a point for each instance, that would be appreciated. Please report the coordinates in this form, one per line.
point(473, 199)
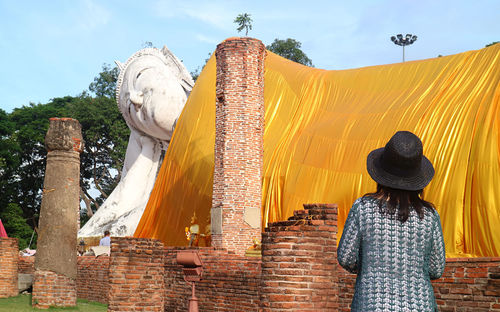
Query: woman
point(392, 238)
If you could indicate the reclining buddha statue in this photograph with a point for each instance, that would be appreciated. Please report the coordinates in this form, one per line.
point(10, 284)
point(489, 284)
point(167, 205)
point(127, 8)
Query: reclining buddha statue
point(152, 89)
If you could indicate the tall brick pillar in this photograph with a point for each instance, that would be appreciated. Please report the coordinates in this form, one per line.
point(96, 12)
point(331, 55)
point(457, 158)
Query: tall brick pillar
point(239, 129)
point(9, 259)
point(136, 275)
point(299, 262)
point(55, 263)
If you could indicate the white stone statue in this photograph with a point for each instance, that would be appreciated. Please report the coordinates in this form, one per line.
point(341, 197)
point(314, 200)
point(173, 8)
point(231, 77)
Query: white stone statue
point(152, 89)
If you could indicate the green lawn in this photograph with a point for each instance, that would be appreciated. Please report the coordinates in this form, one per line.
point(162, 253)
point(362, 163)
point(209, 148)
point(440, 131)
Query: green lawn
point(22, 303)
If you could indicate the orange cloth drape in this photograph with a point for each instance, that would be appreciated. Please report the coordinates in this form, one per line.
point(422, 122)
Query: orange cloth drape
point(321, 125)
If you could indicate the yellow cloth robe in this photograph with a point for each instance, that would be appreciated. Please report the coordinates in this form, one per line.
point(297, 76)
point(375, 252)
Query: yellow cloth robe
point(321, 124)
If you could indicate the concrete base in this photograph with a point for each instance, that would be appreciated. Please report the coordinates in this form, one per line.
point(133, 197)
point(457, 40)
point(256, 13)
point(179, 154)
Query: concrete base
point(24, 281)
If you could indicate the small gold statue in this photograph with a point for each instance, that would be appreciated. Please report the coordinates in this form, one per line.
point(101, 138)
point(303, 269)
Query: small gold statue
point(193, 232)
point(255, 249)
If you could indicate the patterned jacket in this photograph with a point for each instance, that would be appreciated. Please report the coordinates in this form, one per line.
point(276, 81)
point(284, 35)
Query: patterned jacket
point(394, 261)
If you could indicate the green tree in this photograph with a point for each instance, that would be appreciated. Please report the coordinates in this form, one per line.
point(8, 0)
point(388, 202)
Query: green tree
point(290, 49)
point(490, 44)
point(106, 136)
point(23, 155)
point(9, 162)
point(104, 84)
point(30, 124)
point(16, 226)
point(8, 159)
point(244, 22)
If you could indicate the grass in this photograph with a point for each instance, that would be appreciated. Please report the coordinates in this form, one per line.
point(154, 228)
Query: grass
point(22, 303)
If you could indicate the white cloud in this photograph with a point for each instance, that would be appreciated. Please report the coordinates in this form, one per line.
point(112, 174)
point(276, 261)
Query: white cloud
point(92, 15)
point(207, 39)
point(73, 20)
point(215, 13)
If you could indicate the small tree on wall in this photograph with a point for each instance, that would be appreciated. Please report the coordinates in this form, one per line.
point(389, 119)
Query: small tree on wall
point(244, 22)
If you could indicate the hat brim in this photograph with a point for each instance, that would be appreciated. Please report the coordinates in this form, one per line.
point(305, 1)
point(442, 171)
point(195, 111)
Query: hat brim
point(411, 183)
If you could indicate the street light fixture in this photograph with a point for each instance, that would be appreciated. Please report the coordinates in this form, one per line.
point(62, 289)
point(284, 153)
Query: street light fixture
point(193, 269)
point(404, 41)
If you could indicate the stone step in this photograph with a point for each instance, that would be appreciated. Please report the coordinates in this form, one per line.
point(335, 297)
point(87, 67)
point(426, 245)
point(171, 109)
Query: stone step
point(24, 281)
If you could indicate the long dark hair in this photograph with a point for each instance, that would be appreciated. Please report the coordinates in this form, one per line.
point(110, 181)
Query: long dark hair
point(393, 200)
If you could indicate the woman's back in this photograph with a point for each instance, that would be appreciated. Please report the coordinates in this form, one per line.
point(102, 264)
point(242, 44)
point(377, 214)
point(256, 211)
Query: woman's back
point(394, 260)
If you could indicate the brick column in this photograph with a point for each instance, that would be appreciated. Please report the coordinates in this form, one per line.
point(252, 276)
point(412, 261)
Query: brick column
point(136, 272)
point(299, 262)
point(8, 267)
point(239, 128)
point(54, 281)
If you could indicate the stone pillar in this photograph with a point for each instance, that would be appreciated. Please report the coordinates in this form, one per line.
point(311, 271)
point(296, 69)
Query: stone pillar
point(8, 267)
point(299, 262)
point(56, 259)
point(136, 275)
point(239, 129)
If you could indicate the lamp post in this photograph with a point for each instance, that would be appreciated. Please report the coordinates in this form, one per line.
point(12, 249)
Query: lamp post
point(193, 269)
point(404, 41)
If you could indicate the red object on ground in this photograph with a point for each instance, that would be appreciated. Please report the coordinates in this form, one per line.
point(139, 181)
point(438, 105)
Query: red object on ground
point(3, 233)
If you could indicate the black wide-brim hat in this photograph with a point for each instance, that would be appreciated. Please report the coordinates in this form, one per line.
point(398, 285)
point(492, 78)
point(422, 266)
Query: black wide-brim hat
point(401, 163)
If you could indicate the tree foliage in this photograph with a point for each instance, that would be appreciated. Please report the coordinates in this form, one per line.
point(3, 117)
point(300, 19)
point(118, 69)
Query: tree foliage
point(290, 49)
point(23, 154)
point(16, 226)
point(9, 149)
point(244, 21)
point(106, 136)
point(30, 124)
point(490, 44)
point(104, 84)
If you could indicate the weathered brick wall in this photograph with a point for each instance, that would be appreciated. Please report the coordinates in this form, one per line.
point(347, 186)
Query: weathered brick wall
point(136, 271)
point(229, 282)
point(92, 282)
point(8, 267)
point(232, 283)
point(52, 289)
point(26, 265)
point(299, 262)
point(469, 284)
point(289, 268)
point(238, 159)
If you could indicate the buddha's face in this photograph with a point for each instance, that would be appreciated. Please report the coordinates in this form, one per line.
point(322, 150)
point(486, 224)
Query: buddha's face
point(151, 97)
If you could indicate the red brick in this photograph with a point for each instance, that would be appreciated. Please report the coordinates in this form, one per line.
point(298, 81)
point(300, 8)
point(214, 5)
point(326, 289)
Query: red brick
point(9, 265)
point(53, 289)
point(136, 275)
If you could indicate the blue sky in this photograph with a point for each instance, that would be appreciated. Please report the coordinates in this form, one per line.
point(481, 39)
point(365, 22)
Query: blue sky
point(55, 48)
